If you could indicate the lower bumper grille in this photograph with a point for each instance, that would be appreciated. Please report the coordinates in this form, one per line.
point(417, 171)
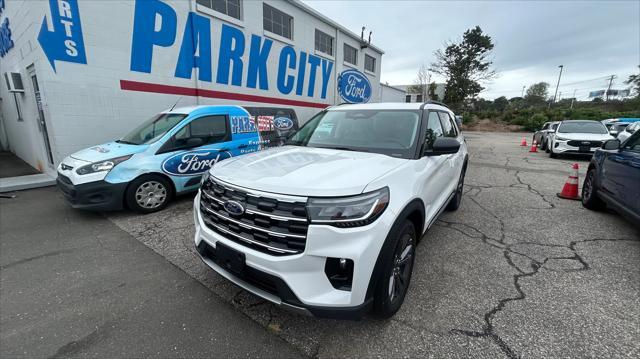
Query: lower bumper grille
point(577, 143)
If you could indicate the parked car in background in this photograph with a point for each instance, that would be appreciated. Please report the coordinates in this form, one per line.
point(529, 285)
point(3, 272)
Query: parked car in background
point(628, 131)
point(578, 137)
point(541, 136)
point(328, 224)
point(167, 155)
point(613, 178)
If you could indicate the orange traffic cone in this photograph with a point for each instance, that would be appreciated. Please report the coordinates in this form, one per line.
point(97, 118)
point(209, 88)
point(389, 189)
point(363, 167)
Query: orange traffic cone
point(570, 189)
point(523, 142)
point(534, 147)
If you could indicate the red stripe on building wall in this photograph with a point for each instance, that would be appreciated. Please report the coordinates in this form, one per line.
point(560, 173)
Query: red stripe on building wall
point(190, 91)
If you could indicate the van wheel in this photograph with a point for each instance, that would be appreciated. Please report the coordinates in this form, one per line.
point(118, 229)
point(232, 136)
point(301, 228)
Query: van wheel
point(393, 281)
point(148, 193)
point(454, 203)
point(590, 199)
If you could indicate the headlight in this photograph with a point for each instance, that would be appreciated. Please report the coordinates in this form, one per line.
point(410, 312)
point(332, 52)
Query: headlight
point(106, 165)
point(351, 211)
point(561, 139)
point(205, 177)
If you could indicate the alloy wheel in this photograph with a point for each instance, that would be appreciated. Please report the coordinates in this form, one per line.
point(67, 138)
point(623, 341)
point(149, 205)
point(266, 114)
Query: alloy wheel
point(151, 194)
point(402, 267)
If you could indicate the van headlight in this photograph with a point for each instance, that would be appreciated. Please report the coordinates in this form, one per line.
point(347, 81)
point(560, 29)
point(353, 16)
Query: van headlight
point(105, 165)
point(353, 211)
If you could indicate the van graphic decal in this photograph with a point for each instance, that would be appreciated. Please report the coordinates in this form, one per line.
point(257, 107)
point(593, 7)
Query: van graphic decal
point(192, 163)
point(283, 123)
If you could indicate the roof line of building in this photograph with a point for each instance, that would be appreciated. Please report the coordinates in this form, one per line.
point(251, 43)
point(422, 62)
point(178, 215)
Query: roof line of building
point(393, 87)
point(312, 11)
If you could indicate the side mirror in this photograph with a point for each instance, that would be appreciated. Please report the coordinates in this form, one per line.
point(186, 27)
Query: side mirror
point(611, 145)
point(443, 146)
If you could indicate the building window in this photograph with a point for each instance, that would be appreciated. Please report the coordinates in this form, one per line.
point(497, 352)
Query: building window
point(227, 7)
point(369, 63)
point(277, 22)
point(350, 55)
point(407, 98)
point(418, 98)
point(324, 42)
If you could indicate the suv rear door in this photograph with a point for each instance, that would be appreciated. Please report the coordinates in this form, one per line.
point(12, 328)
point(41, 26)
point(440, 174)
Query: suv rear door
point(436, 170)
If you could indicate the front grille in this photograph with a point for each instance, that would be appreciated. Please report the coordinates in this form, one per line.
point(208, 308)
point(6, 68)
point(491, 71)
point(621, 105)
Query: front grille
point(578, 143)
point(268, 224)
point(64, 179)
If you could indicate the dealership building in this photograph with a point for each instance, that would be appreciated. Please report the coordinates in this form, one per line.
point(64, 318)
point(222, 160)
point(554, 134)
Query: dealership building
point(78, 73)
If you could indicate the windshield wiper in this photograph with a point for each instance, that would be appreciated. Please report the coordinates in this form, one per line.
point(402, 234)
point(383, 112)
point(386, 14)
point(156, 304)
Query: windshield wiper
point(343, 149)
point(126, 142)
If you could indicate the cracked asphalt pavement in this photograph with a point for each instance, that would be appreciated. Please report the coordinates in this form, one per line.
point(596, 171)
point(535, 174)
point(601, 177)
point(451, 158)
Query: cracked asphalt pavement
point(515, 272)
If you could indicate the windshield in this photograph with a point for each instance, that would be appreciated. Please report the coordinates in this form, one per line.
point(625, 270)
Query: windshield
point(582, 127)
point(151, 130)
point(389, 132)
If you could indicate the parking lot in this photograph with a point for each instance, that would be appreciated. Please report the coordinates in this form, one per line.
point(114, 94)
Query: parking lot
point(515, 272)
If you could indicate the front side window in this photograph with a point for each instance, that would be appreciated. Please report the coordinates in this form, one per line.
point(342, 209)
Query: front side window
point(203, 131)
point(633, 143)
point(369, 63)
point(151, 130)
point(324, 42)
point(388, 132)
point(447, 125)
point(277, 22)
point(350, 55)
point(227, 7)
point(582, 127)
point(434, 130)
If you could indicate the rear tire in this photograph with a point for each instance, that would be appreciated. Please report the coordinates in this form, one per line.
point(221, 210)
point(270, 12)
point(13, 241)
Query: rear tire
point(454, 203)
point(590, 199)
point(543, 147)
point(397, 267)
point(148, 194)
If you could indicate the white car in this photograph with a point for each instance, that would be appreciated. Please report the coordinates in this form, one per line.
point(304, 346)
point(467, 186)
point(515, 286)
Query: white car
point(628, 131)
point(328, 224)
point(578, 136)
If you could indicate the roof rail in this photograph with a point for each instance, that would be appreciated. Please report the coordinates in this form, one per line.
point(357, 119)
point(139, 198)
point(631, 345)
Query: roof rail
point(431, 102)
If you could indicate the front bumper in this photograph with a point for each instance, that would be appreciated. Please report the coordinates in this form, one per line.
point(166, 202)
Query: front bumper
point(298, 282)
point(564, 147)
point(97, 196)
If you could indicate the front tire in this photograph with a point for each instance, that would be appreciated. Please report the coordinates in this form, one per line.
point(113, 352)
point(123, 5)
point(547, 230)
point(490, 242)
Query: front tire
point(393, 281)
point(148, 194)
point(454, 203)
point(551, 153)
point(590, 199)
point(543, 147)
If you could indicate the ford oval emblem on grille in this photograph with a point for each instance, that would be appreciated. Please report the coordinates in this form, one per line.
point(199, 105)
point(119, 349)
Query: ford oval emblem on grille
point(586, 142)
point(234, 208)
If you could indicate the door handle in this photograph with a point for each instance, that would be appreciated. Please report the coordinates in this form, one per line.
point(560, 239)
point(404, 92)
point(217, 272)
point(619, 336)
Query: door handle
point(243, 146)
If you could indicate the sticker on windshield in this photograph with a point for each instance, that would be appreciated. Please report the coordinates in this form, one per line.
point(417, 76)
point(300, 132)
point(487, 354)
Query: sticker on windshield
point(193, 162)
point(283, 123)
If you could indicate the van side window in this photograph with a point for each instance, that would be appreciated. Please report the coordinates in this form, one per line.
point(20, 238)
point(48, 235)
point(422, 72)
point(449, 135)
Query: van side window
point(434, 130)
point(203, 131)
point(449, 129)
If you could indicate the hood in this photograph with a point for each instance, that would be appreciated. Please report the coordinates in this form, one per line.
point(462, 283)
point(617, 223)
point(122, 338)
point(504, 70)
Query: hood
point(585, 136)
point(306, 171)
point(107, 151)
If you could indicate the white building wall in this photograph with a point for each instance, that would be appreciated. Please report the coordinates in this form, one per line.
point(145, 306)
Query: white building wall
point(391, 94)
point(84, 104)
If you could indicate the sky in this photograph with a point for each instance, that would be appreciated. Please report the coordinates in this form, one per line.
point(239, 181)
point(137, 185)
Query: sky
point(591, 39)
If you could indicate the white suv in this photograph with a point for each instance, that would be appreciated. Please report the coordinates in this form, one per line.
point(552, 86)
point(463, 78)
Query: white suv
point(328, 224)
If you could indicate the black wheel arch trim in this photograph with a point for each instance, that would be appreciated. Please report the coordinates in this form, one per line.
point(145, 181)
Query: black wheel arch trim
point(416, 206)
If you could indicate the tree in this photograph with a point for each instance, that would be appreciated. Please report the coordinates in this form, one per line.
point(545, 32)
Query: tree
point(432, 92)
point(501, 103)
point(421, 82)
point(465, 65)
point(537, 93)
point(634, 81)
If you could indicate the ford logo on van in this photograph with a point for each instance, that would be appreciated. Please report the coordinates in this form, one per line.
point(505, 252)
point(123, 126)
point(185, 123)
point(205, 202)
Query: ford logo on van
point(234, 208)
point(193, 162)
point(354, 86)
point(283, 123)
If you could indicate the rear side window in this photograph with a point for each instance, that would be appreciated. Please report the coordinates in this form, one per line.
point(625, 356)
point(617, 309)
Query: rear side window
point(434, 130)
point(449, 129)
point(274, 124)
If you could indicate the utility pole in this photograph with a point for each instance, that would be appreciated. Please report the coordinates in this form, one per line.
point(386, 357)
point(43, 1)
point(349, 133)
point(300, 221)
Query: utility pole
point(573, 98)
point(523, 87)
point(558, 84)
point(609, 87)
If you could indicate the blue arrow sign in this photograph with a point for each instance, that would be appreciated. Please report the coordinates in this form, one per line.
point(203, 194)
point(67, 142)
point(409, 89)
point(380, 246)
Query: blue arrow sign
point(65, 42)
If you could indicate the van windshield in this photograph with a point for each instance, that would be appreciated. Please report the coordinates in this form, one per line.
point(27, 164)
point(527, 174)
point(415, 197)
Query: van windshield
point(151, 130)
point(389, 132)
point(582, 127)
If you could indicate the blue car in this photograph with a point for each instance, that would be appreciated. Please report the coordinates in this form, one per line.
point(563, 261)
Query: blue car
point(167, 155)
point(613, 178)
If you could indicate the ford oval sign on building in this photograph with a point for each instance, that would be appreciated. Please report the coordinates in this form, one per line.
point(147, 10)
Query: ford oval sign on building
point(354, 86)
